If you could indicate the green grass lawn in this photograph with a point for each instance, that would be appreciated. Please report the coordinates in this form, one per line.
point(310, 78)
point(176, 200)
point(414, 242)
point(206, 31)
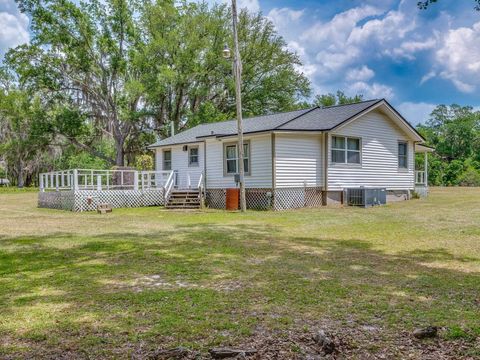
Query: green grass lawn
point(123, 285)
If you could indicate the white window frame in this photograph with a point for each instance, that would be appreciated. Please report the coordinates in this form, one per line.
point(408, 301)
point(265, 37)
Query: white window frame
point(164, 161)
point(190, 163)
point(402, 142)
point(346, 150)
point(246, 156)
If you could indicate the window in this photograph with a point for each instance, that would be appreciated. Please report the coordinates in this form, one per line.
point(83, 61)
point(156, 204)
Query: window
point(167, 160)
point(231, 158)
point(193, 156)
point(345, 150)
point(403, 155)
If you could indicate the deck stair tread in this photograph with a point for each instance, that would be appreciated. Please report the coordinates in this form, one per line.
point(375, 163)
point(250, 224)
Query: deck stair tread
point(184, 199)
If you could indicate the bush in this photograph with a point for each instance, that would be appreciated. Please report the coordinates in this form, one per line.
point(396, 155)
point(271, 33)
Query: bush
point(144, 162)
point(470, 177)
point(452, 172)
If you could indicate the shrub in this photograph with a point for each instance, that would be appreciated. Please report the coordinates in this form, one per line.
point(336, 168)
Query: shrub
point(470, 177)
point(144, 162)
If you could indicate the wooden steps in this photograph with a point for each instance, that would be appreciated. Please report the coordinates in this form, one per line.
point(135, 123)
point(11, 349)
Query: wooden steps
point(184, 199)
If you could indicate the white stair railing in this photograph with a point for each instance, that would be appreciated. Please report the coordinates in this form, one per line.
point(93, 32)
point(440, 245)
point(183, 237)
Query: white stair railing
point(169, 184)
point(200, 188)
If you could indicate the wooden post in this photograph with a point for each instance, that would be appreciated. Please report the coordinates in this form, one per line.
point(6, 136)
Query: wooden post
point(56, 181)
point(425, 168)
point(99, 182)
point(237, 69)
point(135, 180)
point(75, 179)
point(40, 179)
point(51, 180)
point(62, 179)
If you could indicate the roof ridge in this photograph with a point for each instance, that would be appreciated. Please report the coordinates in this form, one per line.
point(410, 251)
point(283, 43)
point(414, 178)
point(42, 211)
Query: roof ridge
point(354, 103)
point(257, 116)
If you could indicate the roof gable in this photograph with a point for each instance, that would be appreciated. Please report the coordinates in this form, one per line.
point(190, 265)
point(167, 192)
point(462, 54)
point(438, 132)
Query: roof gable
point(392, 114)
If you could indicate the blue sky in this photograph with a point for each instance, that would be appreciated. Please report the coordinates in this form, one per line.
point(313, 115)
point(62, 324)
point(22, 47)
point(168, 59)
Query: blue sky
point(383, 48)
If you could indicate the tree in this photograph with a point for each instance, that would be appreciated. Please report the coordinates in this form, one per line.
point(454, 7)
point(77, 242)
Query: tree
point(192, 83)
point(423, 5)
point(454, 131)
point(23, 137)
point(122, 69)
point(336, 99)
point(82, 56)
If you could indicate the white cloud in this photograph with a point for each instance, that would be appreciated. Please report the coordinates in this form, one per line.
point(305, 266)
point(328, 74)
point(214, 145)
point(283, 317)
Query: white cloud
point(430, 75)
point(337, 47)
point(372, 91)
point(360, 74)
point(284, 17)
point(251, 5)
point(338, 30)
point(458, 57)
point(409, 48)
point(416, 113)
point(13, 30)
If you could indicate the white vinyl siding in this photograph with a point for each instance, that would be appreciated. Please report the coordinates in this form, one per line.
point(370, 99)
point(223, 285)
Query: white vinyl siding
point(180, 163)
point(379, 156)
point(260, 163)
point(298, 160)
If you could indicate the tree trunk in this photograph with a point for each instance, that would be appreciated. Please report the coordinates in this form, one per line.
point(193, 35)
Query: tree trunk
point(120, 153)
point(20, 174)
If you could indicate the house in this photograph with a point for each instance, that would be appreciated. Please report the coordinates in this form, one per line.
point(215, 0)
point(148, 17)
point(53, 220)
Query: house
point(300, 158)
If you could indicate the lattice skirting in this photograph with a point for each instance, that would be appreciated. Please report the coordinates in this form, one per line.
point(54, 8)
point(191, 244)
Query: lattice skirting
point(87, 200)
point(60, 200)
point(291, 198)
point(216, 198)
point(266, 199)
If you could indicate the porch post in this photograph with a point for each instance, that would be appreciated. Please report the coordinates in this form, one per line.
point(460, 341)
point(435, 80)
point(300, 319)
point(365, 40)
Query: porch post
point(135, 180)
point(75, 179)
point(99, 182)
point(42, 189)
point(425, 167)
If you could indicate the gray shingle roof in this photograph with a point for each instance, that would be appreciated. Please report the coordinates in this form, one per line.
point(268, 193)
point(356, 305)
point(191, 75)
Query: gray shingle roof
point(326, 118)
point(307, 120)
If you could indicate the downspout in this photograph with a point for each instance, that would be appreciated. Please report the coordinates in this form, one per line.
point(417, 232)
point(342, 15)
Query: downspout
point(425, 166)
point(205, 166)
point(274, 182)
point(325, 166)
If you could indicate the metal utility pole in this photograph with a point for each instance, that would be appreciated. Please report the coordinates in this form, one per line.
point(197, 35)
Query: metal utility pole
point(237, 70)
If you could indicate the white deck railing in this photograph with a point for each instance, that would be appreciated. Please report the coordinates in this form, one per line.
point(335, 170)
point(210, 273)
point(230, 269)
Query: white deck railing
point(88, 179)
point(420, 178)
